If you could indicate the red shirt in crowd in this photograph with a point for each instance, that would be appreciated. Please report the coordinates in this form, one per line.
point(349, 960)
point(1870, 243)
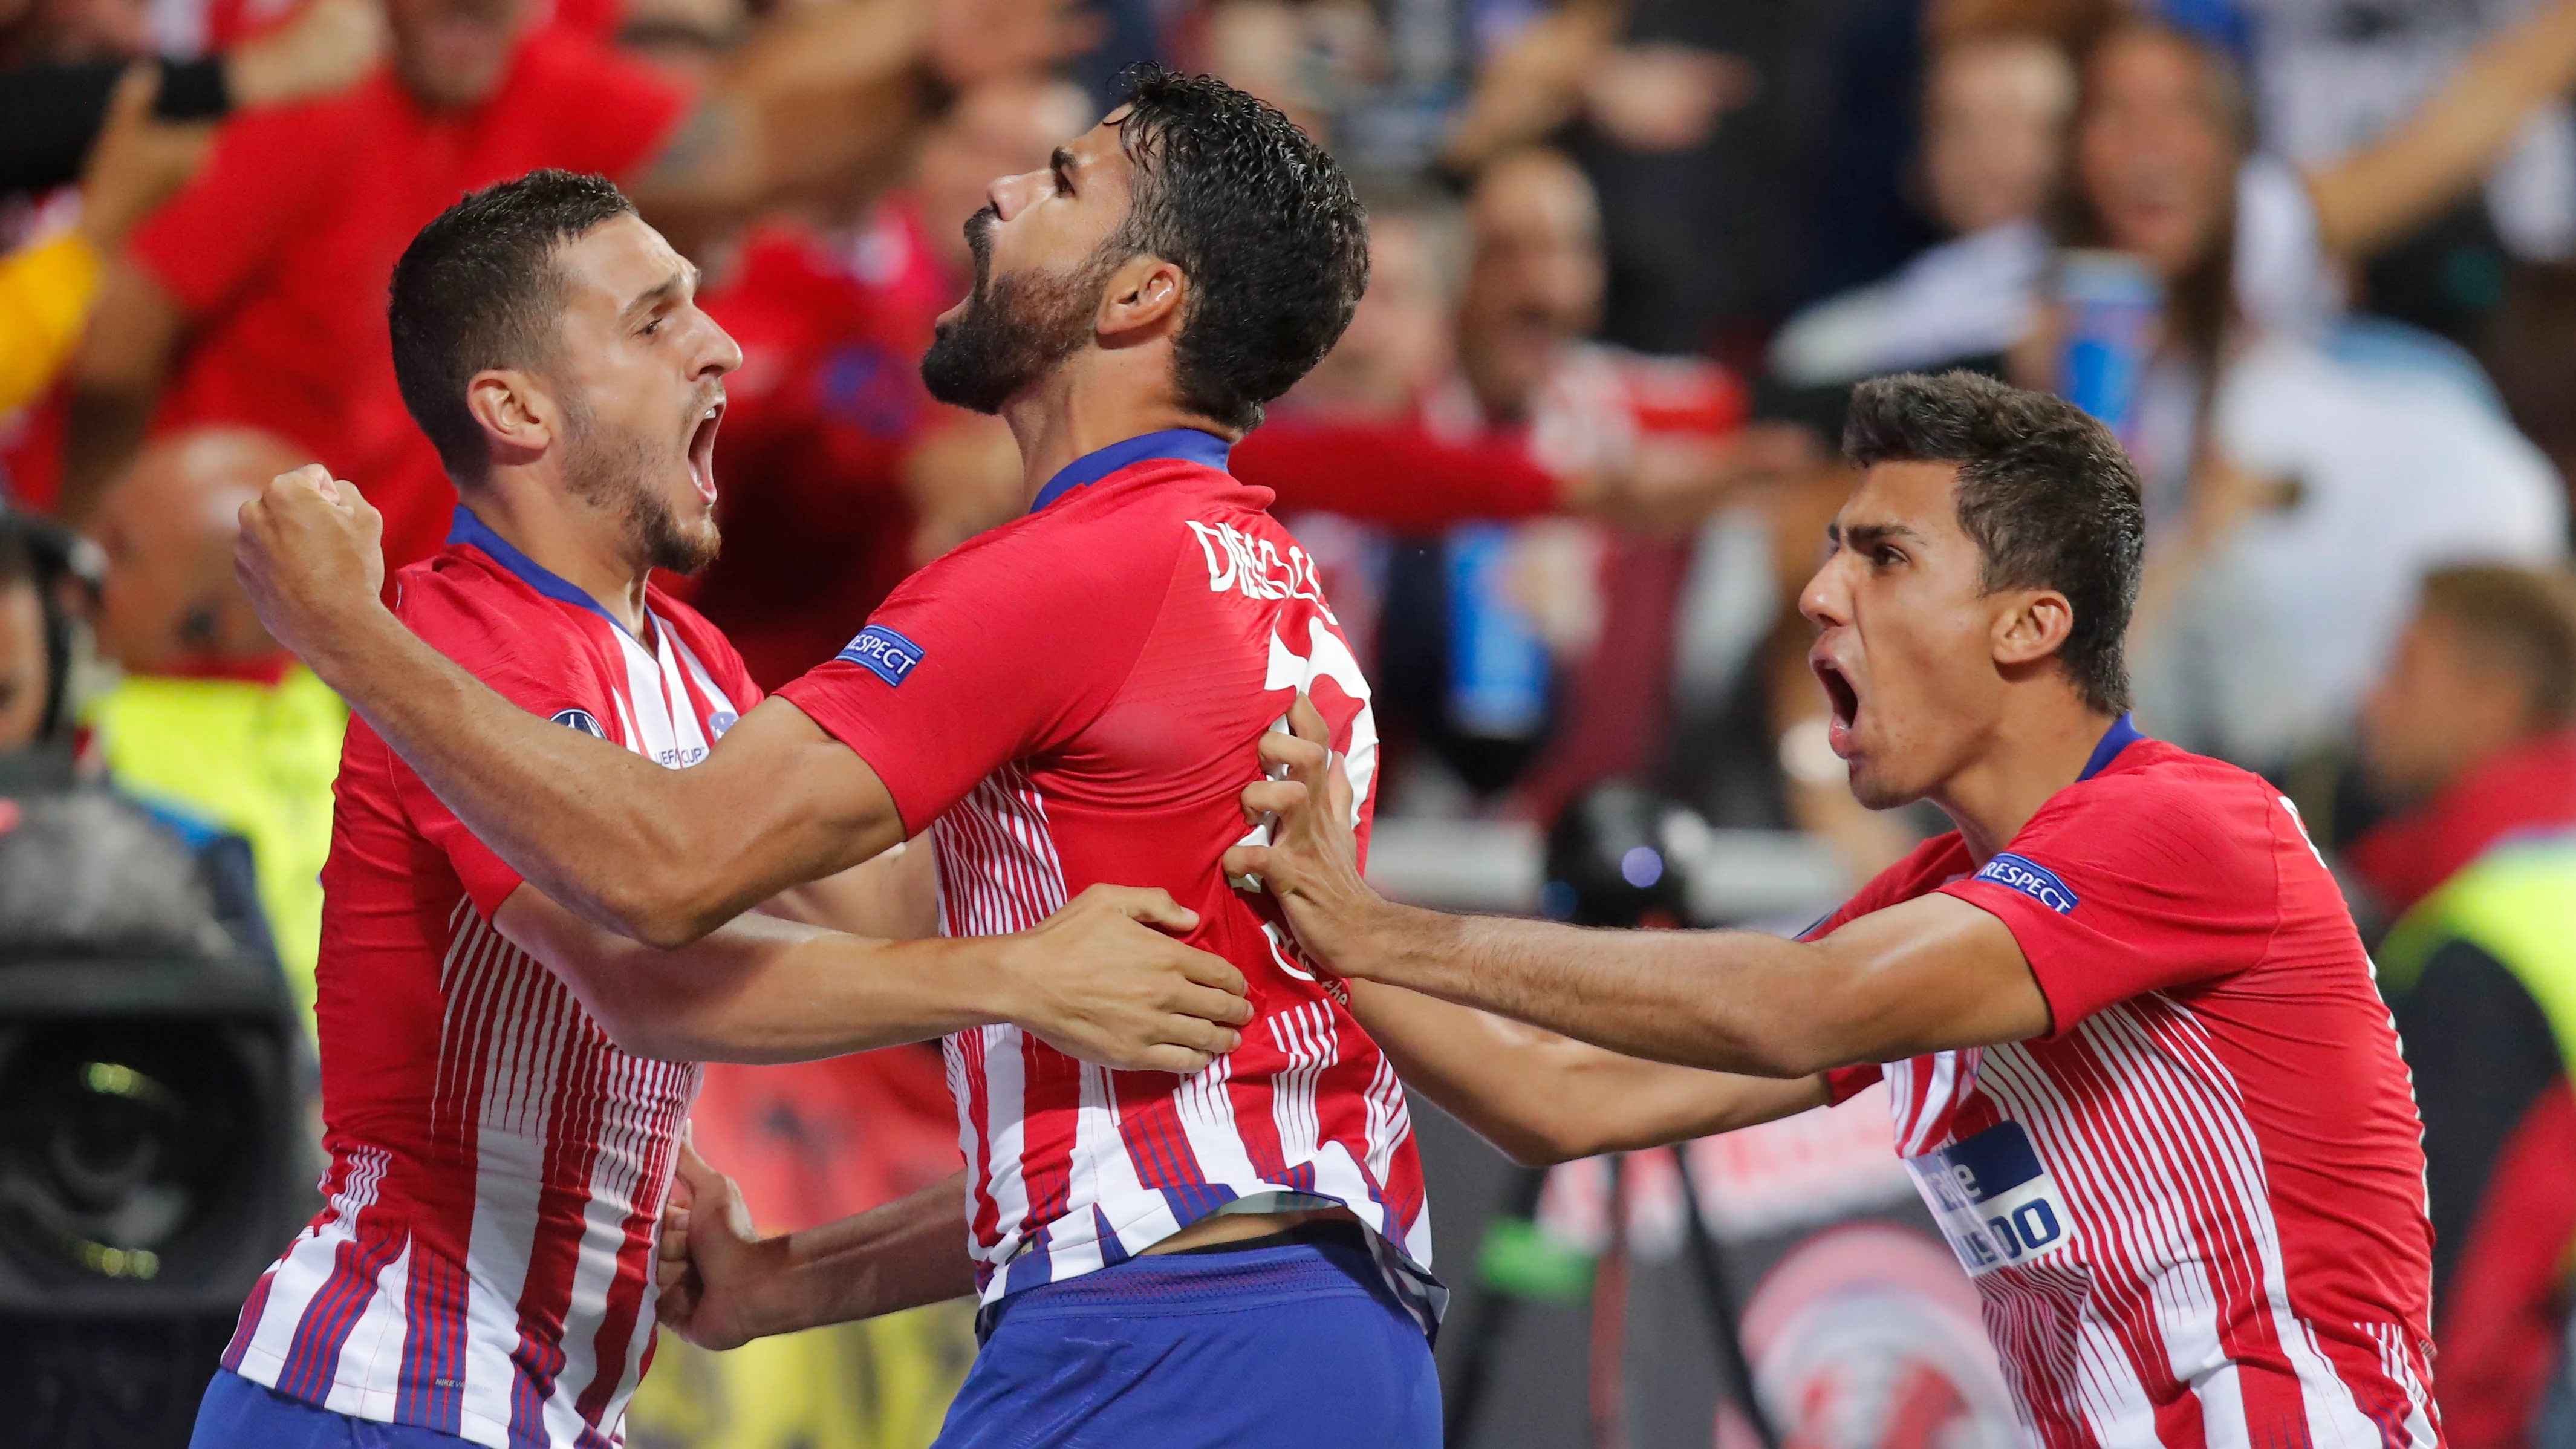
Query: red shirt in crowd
point(281, 250)
point(818, 421)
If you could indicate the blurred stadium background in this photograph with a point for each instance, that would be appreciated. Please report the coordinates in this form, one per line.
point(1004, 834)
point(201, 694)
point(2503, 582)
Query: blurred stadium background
point(2316, 259)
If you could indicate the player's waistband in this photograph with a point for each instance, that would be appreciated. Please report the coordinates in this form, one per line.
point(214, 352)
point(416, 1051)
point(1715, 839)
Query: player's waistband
point(1311, 1260)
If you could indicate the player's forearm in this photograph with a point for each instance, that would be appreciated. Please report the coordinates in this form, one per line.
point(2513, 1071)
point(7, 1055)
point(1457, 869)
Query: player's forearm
point(904, 1254)
point(2431, 158)
point(1544, 1099)
point(590, 824)
point(1727, 1001)
point(762, 991)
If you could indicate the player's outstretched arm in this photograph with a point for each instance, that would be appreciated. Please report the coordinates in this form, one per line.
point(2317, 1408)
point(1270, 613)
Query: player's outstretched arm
point(724, 1285)
point(1544, 1098)
point(1097, 980)
point(1929, 974)
point(661, 855)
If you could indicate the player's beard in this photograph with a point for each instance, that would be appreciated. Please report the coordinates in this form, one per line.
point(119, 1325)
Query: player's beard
point(1015, 329)
point(609, 470)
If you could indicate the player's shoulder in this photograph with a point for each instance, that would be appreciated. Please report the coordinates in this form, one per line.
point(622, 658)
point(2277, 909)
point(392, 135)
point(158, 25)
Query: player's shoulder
point(2163, 808)
point(481, 615)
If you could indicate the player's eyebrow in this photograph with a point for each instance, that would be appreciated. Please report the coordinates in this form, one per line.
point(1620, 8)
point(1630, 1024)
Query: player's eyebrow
point(682, 278)
point(1863, 535)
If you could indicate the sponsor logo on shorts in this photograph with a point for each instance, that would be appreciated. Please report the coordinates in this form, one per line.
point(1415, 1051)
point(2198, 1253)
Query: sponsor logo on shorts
point(582, 720)
point(884, 653)
point(2032, 879)
point(720, 721)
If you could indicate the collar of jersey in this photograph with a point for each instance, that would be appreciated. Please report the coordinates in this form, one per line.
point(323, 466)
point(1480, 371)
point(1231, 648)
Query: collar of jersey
point(469, 529)
point(1189, 445)
point(2122, 734)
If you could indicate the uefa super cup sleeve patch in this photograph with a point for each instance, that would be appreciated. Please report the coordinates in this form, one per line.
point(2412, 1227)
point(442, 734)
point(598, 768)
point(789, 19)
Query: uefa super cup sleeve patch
point(884, 653)
point(2020, 873)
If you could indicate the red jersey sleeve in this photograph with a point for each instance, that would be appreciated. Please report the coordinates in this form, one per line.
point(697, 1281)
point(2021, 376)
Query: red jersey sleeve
point(499, 648)
point(263, 185)
point(2130, 884)
point(1002, 648)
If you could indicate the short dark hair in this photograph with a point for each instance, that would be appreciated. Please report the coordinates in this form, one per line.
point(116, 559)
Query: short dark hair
point(2044, 489)
point(478, 288)
point(2523, 618)
point(1261, 220)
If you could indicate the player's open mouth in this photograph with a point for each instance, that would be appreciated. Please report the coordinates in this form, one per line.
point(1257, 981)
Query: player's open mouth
point(702, 450)
point(1845, 701)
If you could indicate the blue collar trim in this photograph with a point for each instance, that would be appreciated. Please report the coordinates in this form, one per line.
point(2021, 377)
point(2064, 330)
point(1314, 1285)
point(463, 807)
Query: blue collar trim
point(469, 529)
point(1188, 445)
point(2122, 734)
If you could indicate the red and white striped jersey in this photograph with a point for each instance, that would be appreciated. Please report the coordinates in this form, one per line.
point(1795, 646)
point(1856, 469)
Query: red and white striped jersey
point(482, 1264)
point(2195, 1210)
point(1074, 698)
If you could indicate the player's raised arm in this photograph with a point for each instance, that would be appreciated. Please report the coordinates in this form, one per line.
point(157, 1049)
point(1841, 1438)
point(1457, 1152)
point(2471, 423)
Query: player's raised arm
point(1097, 980)
point(1930, 974)
point(663, 856)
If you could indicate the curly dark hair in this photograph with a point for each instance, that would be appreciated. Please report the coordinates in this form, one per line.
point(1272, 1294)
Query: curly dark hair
point(478, 288)
point(1259, 218)
point(2044, 489)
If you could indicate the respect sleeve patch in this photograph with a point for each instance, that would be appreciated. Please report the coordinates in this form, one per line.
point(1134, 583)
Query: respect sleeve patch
point(2020, 873)
point(884, 653)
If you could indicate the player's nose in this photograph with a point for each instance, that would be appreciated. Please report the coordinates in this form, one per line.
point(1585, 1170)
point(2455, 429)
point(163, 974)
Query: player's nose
point(717, 352)
point(1010, 195)
point(1825, 602)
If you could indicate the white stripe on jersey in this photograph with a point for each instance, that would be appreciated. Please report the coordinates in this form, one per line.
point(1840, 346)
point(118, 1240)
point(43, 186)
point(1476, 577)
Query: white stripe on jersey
point(371, 1361)
point(306, 1265)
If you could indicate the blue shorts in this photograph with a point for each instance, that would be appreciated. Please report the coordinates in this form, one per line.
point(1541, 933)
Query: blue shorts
point(1259, 1348)
point(239, 1414)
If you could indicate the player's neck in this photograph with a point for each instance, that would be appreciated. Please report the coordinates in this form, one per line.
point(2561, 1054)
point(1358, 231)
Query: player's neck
point(571, 540)
point(1094, 400)
point(2032, 753)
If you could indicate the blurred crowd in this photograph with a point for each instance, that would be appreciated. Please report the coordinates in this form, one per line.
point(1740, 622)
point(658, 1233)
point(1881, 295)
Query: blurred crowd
point(2315, 260)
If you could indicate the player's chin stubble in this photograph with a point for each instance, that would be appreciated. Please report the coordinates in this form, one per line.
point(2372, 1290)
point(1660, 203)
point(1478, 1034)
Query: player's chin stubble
point(618, 473)
point(1015, 329)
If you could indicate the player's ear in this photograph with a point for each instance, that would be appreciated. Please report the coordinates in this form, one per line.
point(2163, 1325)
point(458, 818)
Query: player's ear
point(518, 417)
point(2032, 625)
point(1146, 293)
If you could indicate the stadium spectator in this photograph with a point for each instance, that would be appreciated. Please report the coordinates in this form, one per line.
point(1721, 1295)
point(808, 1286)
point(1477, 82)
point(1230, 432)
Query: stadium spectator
point(56, 89)
point(1995, 109)
point(2164, 168)
point(47, 286)
point(255, 297)
point(210, 714)
point(840, 474)
point(2474, 726)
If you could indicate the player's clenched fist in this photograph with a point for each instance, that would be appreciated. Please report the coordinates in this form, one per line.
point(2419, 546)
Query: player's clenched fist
point(1098, 980)
point(309, 558)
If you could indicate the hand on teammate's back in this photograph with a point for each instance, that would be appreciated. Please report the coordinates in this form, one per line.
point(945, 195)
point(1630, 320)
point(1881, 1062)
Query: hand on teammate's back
point(309, 557)
point(1099, 980)
point(1312, 863)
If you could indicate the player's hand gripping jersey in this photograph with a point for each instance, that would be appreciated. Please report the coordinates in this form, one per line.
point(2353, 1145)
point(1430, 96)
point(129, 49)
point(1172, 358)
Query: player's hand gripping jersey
point(1073, 698)
point(483, 1261)
point(2209, 1179)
